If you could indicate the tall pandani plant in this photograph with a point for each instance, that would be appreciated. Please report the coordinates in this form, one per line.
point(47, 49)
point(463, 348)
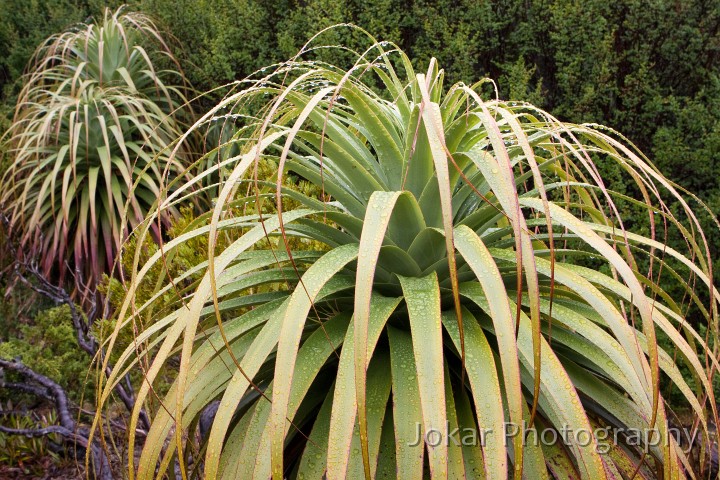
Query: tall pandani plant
point(460, 286)
point(89, 143)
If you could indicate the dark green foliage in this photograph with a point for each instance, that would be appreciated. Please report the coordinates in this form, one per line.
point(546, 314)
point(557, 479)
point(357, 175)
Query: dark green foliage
point(26, 24)
point(647, 69)
point(220, 40)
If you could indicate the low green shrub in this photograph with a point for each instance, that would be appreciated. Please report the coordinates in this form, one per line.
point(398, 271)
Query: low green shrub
point(48, 346)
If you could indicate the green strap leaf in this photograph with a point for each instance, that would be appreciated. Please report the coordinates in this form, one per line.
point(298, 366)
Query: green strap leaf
point(422, 296)
point(345, 403)
point(313, 461)
point(378, 392)
point(487, 394)
point(377, 218)
point(407, 412)
point(312, 356)
point(476, 254)
point(299, 305)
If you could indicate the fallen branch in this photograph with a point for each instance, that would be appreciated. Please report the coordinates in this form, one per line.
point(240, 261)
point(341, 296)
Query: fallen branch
point(47, 388)
point(37, 391)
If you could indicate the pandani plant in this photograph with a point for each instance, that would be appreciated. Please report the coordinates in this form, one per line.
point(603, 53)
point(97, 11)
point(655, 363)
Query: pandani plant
point(89, 143)
point(461, 267)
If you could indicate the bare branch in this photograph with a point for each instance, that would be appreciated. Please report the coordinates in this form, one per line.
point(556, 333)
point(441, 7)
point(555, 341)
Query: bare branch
point(47, 388)
point(53, 389)
point(32, 389)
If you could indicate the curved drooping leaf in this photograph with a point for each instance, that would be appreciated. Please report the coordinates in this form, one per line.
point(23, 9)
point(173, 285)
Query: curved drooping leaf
point(91, 144)
point(457, 268)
